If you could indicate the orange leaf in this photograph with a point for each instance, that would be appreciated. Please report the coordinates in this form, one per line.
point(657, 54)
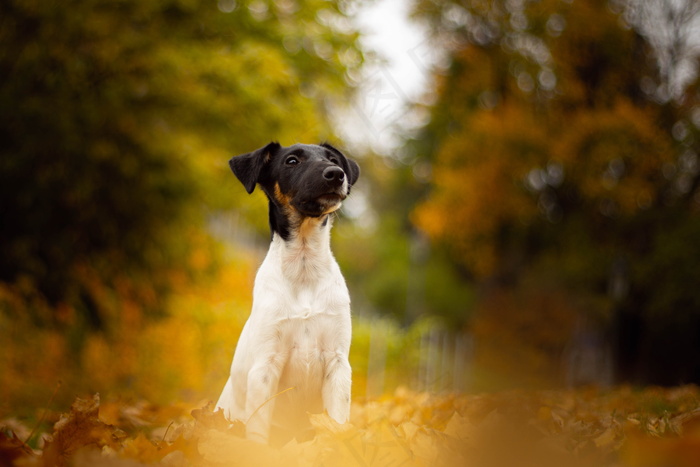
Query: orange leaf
point(79, 429)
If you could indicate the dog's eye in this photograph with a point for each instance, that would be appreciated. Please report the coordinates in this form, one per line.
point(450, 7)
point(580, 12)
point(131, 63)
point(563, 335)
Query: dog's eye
point(292, 160)
point(334, 160)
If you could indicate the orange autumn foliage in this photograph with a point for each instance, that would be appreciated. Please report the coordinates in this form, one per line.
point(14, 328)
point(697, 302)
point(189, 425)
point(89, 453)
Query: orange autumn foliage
point(478, 184)
point(584, 428)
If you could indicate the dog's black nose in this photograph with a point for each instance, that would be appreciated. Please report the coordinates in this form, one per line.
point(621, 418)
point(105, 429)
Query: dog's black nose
point(334, 174)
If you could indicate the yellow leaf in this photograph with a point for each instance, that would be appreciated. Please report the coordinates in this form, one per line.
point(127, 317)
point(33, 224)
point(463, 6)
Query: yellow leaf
point(141, 449)
point(424, 448)
point(323, 422)
point(408, 430)
point(459, 427)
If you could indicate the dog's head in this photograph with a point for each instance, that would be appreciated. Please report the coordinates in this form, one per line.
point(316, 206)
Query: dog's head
point(313, 180)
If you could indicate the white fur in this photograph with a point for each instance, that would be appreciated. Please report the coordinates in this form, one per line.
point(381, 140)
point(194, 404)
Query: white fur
point(297, 336)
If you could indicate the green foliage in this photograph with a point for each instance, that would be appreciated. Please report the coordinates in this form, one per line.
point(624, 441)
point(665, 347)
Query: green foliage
point(398, 274)
point(448, 292)
point(380, 274)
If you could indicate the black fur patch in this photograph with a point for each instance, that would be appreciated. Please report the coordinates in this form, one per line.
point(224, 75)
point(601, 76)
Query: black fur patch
point(300, 181)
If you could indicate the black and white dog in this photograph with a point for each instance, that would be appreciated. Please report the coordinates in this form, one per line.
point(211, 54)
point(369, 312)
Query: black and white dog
point(292, 356)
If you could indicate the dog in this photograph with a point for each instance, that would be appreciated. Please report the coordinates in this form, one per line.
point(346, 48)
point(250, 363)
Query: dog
point(292, 355)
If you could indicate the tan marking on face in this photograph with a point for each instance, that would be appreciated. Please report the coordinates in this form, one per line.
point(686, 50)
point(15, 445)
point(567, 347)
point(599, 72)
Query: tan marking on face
point(284, 200)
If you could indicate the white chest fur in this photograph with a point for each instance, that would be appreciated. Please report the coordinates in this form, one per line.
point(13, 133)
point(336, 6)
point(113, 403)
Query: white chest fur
point(292, 356)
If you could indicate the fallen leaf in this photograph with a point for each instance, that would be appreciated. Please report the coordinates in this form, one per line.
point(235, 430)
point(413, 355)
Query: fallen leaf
point(141, 449)
point(459, 427)
point(12, 448)
point(607, 438)
point(324, 422)
point(208, 418)
point(78, 429)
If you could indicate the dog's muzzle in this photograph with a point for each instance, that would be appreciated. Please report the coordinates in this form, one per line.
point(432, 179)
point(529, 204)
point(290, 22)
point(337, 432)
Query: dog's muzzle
point(324, 192)
point(335, 182)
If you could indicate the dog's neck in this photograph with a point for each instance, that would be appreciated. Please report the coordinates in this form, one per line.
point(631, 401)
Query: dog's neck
point(305, 253)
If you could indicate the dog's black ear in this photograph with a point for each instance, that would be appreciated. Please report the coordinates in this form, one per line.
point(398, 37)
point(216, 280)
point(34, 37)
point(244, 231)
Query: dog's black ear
point(352, 170)
point(247, 167)
point(350, 167)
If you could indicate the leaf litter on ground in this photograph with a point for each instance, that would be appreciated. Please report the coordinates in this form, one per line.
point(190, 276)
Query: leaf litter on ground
point(618, 428)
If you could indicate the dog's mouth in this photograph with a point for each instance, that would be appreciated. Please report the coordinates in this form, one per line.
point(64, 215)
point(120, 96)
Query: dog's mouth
point(330, 198)
point(330, 202)
point(320, 205)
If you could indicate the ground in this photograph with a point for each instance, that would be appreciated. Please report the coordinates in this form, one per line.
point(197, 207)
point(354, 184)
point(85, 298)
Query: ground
point(649, 427)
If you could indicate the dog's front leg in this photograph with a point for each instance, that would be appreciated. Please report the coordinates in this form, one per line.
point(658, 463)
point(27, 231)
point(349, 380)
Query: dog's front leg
point(263, 381)
point(337, 382)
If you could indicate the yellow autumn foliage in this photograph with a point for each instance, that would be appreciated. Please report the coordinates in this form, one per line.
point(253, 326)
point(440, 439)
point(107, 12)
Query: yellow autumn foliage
point(182, 355)
point(623, 428)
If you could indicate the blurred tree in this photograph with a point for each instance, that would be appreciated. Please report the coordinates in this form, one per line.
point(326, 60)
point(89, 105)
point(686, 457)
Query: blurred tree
point(117, 122)
point(564, 158)
point(399, 274)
